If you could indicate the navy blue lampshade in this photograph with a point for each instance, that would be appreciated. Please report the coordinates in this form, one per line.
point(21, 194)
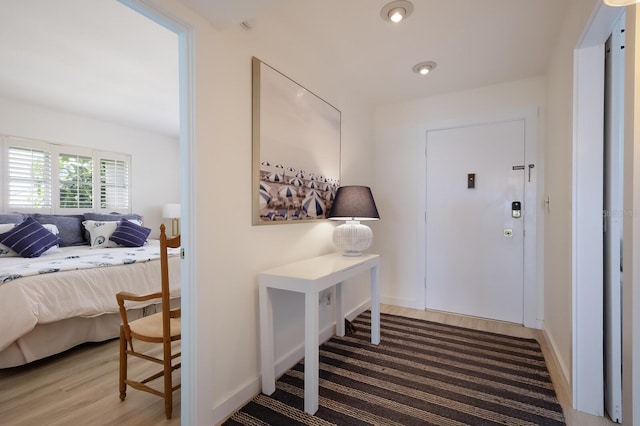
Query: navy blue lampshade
point(353, 203)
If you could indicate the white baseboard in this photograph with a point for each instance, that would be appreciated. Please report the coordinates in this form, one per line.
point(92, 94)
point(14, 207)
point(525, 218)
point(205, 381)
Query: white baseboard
point(562, 367)
point(239, 398)
point(236, 400)
point(402, 302)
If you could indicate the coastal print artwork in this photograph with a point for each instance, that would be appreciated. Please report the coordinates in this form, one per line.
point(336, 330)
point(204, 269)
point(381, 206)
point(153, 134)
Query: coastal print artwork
point(296, 150)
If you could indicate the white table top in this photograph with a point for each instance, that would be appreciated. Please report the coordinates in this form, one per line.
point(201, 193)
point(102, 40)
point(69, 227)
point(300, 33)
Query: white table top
point(310, 274)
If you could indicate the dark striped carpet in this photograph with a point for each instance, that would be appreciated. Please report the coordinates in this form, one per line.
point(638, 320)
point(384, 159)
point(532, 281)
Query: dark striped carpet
point(422, 373)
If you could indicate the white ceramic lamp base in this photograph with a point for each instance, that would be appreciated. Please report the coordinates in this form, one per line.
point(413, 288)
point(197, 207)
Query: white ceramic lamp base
point(352, 238)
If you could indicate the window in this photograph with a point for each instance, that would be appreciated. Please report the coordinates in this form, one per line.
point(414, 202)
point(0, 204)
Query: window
point(76, 181)
point(60, 178)
point(29, 178)
point(114, 184)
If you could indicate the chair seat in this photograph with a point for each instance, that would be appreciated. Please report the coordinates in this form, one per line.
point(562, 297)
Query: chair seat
point(151, 326)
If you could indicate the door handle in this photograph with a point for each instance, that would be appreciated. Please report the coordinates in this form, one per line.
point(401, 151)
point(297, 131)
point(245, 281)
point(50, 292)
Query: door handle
point(531, 166)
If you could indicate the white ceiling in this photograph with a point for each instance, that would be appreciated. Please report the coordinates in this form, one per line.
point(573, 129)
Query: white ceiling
point(80, 55)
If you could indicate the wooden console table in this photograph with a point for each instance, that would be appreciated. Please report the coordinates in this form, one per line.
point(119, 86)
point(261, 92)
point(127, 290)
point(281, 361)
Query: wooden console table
point(310, 277)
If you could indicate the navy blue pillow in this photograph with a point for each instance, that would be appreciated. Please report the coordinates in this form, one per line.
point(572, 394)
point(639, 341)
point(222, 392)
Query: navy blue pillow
point(29, 239)
point(129, 234)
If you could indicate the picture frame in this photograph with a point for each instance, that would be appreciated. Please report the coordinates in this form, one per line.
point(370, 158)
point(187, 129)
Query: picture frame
point(296, 139)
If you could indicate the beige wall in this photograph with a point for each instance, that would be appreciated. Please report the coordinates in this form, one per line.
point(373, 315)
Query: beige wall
point(559, 166)
point(230, 251)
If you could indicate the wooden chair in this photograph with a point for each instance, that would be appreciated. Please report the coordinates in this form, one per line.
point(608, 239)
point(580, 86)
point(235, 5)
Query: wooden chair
point(162, 327)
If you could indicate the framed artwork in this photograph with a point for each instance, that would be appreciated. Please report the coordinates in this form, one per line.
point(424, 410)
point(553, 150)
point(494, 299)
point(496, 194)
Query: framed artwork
point(296, 150)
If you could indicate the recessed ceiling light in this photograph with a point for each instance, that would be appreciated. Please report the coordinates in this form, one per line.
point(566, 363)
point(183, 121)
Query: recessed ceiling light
point(424, 68)
point(396, 11)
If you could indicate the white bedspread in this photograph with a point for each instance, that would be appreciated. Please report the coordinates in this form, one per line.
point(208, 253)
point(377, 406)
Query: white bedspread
point(83, 290)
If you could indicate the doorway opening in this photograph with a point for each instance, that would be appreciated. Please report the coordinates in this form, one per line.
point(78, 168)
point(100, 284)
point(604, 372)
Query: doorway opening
point(587, 245)
point(187, 189)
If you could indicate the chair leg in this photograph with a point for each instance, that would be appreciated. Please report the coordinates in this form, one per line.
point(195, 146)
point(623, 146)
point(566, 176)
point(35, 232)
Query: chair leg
point(168, 405)
point(123, 365)
point(168, 385)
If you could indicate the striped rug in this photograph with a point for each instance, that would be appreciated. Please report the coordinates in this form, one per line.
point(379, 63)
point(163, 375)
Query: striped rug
point(422, 373)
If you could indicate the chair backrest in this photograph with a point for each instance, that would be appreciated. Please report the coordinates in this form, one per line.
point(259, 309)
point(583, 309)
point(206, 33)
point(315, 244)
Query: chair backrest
point(165, 244)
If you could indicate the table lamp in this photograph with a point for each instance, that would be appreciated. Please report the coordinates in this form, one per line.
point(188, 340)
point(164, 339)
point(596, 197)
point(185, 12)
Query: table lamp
point(620, 2)
point(172, 211)
point(353, 204)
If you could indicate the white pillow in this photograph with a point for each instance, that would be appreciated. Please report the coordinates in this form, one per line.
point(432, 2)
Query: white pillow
point(51, 228)
point(55, 231)
point(4, 250)
point(99, 232)
point(4, 227)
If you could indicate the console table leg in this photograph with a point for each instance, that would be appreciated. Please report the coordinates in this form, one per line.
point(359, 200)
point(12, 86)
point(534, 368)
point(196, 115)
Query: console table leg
point(311, 356)
point(267, 357)
point(339, 311)
point(375, 307)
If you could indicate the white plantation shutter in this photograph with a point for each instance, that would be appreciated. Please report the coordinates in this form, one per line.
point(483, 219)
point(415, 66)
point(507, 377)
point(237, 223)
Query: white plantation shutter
point(52, 178)
point(114, 184)
point(75, 174)
point(29, 177)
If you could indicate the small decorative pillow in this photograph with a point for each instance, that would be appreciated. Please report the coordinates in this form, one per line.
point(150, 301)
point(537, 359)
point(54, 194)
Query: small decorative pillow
point(4, 250)
point(100, 232)
point(111, 217)
point(29, 239)
point(129, 234)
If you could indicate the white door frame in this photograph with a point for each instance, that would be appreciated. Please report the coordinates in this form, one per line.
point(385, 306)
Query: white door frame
point(587, 243)
point(533, 287)
point(186, 47)
point(613, 218)
point(631, 231)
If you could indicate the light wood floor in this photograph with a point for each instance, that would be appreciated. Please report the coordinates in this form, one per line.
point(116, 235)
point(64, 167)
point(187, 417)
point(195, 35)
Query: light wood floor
point(80, 387)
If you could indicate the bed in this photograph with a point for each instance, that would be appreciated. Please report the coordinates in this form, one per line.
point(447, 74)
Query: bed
point(66, 296)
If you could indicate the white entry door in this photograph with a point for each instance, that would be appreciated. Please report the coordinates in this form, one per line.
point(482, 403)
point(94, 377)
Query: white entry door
point(475, 245)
